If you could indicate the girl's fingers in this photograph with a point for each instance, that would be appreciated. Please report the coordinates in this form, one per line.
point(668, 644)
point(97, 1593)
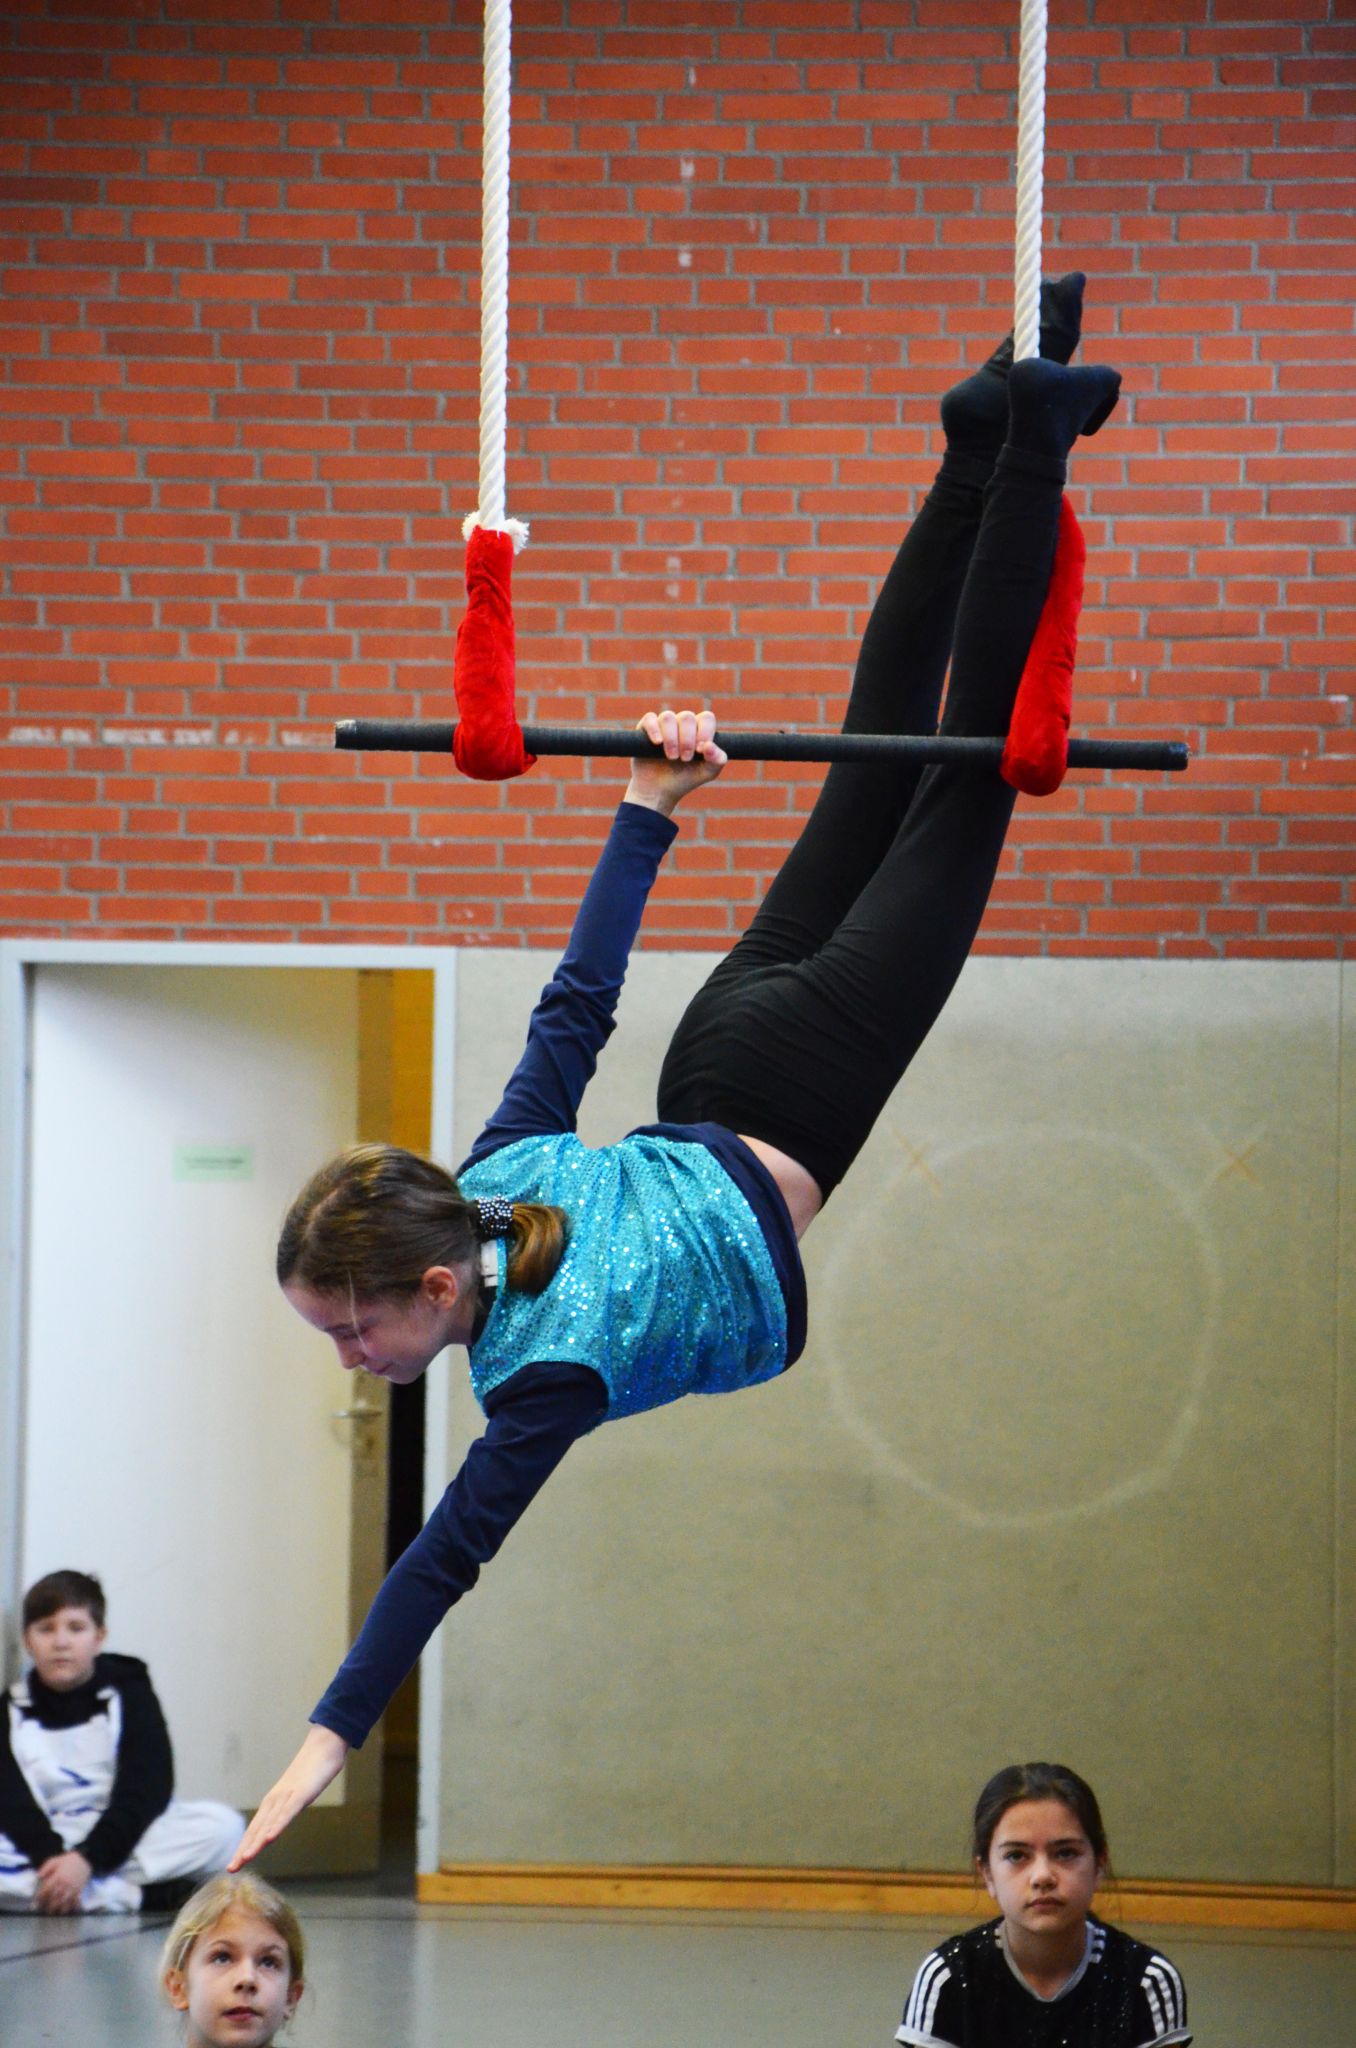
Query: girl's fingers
point(257, 1836)
point(682, 734)
point(706, 740)
point(249, 1848)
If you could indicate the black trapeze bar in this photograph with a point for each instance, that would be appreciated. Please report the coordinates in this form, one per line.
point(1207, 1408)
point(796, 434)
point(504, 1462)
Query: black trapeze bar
point(622, 743)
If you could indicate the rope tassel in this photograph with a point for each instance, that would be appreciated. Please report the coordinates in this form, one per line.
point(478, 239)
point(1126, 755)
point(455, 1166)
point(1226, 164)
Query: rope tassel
point(1036, 756)
point(489, 741)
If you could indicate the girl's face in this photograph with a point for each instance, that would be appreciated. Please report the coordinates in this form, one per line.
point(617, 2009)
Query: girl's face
point(395, 1341)
point(1041, 1867)
point(237, 1988)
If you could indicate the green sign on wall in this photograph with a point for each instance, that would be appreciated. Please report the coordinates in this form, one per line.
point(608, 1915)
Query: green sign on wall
point(214, 1162)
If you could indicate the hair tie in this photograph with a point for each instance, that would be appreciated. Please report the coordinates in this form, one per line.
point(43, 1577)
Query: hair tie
point(494, 1216)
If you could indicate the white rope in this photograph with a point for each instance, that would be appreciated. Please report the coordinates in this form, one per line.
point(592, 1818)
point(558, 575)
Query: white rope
point(494, 241)
point(1026, 312)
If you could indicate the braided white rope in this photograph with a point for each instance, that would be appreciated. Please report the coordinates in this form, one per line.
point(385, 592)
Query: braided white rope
point(1026, 313)
point(494, 241)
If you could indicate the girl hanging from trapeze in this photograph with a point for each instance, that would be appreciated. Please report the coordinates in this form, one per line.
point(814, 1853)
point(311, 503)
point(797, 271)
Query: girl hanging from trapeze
point(592, 1283)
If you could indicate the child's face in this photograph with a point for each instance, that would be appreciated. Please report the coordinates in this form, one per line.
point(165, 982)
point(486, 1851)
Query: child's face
point(395, 1341)
point(1041, 1867)
point(238, 1988)
point(63, 1647)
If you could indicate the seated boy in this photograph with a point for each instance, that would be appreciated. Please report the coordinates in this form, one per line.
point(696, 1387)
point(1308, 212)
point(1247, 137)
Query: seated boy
point(87, 1823)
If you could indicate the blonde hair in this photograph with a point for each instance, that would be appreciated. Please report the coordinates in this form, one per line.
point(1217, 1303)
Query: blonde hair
point(243, 1893)
point(371, 1222)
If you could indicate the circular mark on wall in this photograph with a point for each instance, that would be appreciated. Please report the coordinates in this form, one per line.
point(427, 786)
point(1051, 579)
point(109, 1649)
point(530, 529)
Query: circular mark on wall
point(1021, 1327)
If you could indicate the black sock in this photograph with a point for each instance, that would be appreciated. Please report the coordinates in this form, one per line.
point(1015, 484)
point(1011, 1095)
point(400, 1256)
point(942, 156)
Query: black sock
point(1050, 405)
point(167, 1895)
point(975, 411)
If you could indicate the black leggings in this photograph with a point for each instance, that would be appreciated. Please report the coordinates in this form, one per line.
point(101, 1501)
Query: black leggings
point(802, 1032)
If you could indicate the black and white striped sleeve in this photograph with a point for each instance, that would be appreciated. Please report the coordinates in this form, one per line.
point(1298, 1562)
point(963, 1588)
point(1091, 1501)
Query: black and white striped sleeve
point(932, 2015)
point(1164, 1996)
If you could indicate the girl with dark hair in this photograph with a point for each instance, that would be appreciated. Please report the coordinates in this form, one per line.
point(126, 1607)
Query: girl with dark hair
point(591, 1283)
point(1046, 1973)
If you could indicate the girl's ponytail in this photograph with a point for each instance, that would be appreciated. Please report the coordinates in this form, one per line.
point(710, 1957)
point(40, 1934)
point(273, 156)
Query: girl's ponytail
point(538, 1235)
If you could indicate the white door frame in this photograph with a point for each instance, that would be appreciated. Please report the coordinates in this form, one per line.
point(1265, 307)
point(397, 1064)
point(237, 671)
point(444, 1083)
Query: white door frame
point(18, 959)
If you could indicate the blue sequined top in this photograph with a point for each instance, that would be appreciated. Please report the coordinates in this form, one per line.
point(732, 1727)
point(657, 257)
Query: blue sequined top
point(666, 1287)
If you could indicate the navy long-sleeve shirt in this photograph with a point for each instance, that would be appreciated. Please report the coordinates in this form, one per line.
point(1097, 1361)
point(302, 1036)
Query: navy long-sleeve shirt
point(536, 1415)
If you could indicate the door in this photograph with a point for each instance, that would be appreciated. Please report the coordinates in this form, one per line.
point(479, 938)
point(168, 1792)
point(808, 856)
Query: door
point(184, 1435)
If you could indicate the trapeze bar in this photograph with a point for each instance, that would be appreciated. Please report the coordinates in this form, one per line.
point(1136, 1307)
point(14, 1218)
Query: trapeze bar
point(409, 736)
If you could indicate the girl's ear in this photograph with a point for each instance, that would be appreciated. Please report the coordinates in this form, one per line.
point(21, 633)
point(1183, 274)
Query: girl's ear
point(294, 1991)
point(176, 1989)
point(440, 1286)
point(982, 1870)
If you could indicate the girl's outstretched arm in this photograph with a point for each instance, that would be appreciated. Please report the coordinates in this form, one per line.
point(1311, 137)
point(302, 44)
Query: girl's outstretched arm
point(574, 1018)
point(533, 1419)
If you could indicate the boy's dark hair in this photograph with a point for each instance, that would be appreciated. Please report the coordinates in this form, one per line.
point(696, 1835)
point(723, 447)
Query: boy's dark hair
point(64, 1589)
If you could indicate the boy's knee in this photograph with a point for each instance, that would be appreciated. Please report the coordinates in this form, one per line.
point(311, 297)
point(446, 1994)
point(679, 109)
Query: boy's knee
point(230, 1827)
point(216, 1830)
point(192, 1838)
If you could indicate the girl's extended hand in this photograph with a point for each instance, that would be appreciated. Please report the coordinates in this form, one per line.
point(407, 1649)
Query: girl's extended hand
point(316, 1764)
point(691, 757)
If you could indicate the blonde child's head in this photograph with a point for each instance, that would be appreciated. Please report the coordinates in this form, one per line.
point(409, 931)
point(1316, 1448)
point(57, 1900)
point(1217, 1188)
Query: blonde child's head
point(234, 1962)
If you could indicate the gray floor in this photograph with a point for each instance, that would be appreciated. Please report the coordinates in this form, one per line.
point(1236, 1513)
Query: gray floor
point(387, 1972)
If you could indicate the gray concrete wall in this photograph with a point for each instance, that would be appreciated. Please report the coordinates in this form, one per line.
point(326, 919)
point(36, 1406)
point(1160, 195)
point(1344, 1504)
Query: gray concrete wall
point(1061, 1473)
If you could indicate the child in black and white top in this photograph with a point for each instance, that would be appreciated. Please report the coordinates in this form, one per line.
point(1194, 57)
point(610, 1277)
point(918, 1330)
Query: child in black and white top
point(1047, 1973)
point(87, 1820)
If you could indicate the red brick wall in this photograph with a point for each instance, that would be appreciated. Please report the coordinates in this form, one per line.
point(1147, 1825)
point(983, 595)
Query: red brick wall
point(753, 239)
